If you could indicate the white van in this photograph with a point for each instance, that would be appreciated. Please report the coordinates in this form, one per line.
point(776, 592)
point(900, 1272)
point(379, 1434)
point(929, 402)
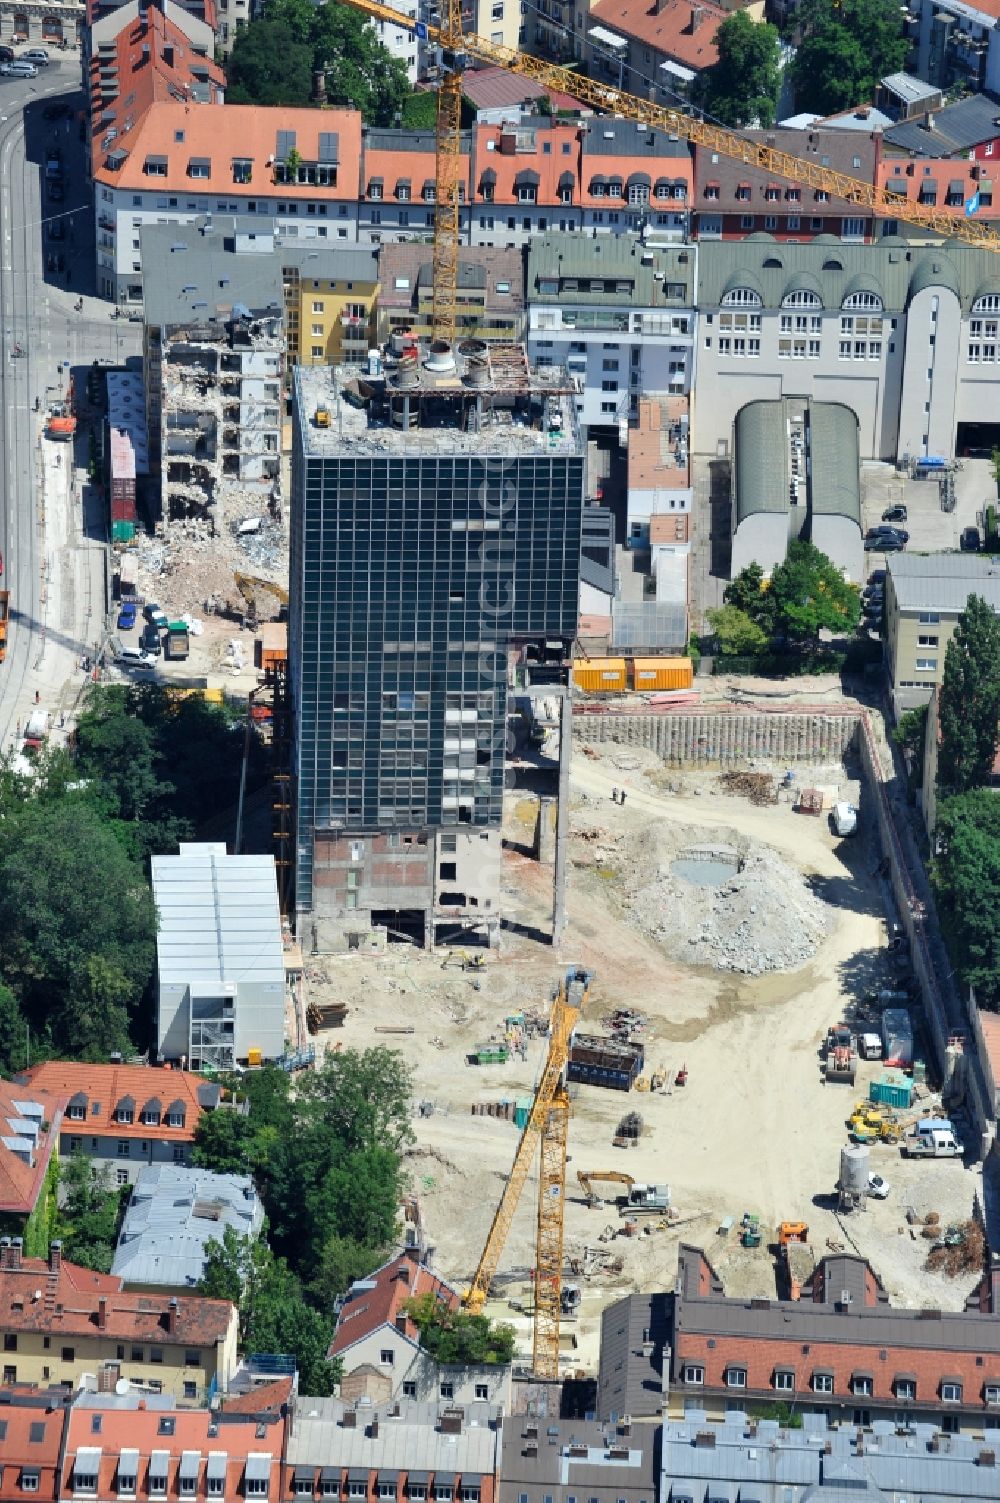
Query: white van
point(135, 657)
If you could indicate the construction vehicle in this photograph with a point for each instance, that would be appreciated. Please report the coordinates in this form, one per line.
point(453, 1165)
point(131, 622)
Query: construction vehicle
point(841, 1066)
point(251, 587)
point(458, 47)
point(934, 1145)
point(4, 613)
point(547, 1130)
point(798, 1262)
point(646, 1199)
point(489, 1054)
point(613, 1176)
point(464, 958)
point(792, 1231)
point(750, 1233)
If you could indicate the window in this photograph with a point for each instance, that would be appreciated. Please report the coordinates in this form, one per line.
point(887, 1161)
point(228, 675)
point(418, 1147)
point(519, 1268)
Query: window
point(905, 1388)
point(736, 1377)
point(125, 1114)
point(124, 1148)
point(784, 1380)
point(447, 1390)
point(190, 1389)
point(926, 665)
point(29, 1481)
point(741, 297)
point(854, 228)
point(482, 1390)
point(84, 1476)
point(991, 1393)
point(156, 1354)
point(126, 1484)
point(862, 1385)
point(694, 1374)
point(242, 170)
point(318, 306)
point(255, 1487)
point(76, 1112)
point(188, 1486)
point(951, 1393)
point(10, 1341)
point(192, 1357)
point(387, 1357)
point(68, 1354)
point(929, 618)
point(927, 641)
point(822, 1382)
point(217, 1486)
point(866, 302)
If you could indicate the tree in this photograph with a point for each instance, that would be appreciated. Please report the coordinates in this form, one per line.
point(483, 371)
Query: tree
point(910, 734)
point(847, 47)
point(455, 1337)
point(341, 1261)
point(969, 702)
point(967, 882)
point(749, 593)
point(810, 594)
point(88, 1219)
point(77, 923)
point(267, 66)
point(735, 631)
point(364, 1096)
point(742, 87)
point(224, 1140)
point(13, 1033)
point(119, 752)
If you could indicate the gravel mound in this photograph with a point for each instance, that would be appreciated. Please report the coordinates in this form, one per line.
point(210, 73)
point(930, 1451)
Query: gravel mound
point(763, 919)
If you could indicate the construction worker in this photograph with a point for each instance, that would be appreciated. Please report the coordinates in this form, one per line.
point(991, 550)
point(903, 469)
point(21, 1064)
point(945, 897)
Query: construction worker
point(614, 795)
point(621, 799)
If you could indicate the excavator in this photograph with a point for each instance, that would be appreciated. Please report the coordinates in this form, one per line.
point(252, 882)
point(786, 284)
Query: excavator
point(613, 1176)
point(546, 1132)
point(458, 48)
point(251, 587)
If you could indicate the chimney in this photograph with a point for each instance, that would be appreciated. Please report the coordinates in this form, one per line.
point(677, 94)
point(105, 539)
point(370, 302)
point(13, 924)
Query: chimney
point(373, 1429)
point(987, 1458)
point(350, 1420)
point(16, 1248)
point(319, 86)
point(172, 1316)
point(168, 55)
point(55, 1257)
point(660, 6)
point(102, 1313)
point(697, 16)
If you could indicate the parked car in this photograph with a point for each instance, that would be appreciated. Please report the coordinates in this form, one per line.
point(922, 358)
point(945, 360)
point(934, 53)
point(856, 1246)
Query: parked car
point(877, 578)
point(894, 514)
point(36, 55)
point(969, 540)
point(127, 616)
point(135, 657)
point(155, 615)
point(884, 543)
point(20, 68)
point(878, 1187)
point(6, 54)
point(150, 641)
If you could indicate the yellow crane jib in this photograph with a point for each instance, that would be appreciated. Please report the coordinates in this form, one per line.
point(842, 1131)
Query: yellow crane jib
point(546, 1129)
point(459, 46)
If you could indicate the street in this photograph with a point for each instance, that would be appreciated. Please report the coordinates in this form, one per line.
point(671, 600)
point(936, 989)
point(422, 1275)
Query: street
point(39, 317)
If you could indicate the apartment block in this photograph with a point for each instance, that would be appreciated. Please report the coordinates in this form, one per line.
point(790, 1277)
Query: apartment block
point(60, 1323)
point(905, 336)
point(330, 297)
point(379, 1345)
point(397, 187)
point(925, 595)
point(214, 363)
point(174, 1212)
point(619, 314)
point(654, 51)
point(732, 200)
point(32, 1426)
point(955, 43)
point(30, 1120)
point(405, 607)
point(490, 293)
point(220, 968)
point(963, 187)
point(123, 1116)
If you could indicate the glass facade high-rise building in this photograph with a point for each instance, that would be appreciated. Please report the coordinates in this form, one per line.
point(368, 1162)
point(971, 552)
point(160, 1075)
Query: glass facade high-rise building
point(435, 540)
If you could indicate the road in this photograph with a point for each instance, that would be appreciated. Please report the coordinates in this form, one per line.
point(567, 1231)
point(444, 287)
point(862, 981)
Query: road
point(38, 314)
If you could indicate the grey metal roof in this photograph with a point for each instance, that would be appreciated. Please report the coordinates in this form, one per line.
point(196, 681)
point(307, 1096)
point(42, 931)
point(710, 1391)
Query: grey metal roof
point(761, 460)
point(957, 127)
point(897, 271)
point(589, 1458)
point(174, 1212)
point(634, 1332)
point(907, 86)
point(835, 487)
point(218, 918)
point(651, 270)
point(605, 136)
point(943, 581)
point(407, 1440)
point(195, 274)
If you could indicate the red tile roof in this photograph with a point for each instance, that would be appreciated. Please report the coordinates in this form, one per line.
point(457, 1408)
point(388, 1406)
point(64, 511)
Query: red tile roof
point(181, 134)
point(172, 1433)
point(62, 1299)
point(678, 29)
point(23, 1169)
point(903, 178)
point(32, 1422)
point(99, 1090)
point(263, 1398)
point(495, 88)
point(555, 155)
point(379, 1299)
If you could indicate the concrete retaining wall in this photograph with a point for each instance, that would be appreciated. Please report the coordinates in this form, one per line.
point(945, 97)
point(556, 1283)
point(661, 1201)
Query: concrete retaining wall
point(727, 736)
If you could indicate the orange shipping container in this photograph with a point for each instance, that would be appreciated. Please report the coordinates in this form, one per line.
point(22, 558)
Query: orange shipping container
point(662, 673)
point(600, 675)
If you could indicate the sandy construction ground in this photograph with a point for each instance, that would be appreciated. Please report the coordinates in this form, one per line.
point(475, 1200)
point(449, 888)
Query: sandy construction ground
point(755, 1129)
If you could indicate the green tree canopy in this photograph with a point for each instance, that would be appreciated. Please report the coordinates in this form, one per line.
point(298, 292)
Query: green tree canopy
point(810, 594)
point(749, 593)
point(847, 47)
point(456, 1337)
point(273, 59)
point(735, 631)
point(969, 701)
point(967, 882)
point(89, 1214)
point(742, 87)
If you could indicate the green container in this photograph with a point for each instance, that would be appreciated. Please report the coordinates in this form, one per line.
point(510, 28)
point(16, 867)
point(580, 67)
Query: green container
point(891, 1089)
point(522, 1111)
point(122, 532)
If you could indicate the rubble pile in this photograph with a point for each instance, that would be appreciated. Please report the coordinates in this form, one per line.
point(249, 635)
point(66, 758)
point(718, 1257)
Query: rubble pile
point(763, 918)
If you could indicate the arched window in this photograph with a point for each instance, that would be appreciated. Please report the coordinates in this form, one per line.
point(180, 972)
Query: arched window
point(833, 264)
point(772, 263)
point(863, 302)
point(988, 304)
point(801, 300)
point(741, 297)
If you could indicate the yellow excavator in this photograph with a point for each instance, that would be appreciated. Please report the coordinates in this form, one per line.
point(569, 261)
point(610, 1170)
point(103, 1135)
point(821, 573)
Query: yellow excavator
point(613, 1176)
point(252, 587)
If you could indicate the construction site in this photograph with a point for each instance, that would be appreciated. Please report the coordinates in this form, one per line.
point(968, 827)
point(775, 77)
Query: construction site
point(726, 937)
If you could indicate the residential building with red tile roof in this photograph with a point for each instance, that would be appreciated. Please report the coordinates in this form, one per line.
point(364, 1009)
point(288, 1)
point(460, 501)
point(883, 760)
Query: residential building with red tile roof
point(841, 1348)
point(397, 186)
point(525, 180)
point(32, 1426)
point(952, 184)
point(490, 292)
point(59, 1322)
point(732, 200)
point(653, 48)
point(634, 178)
point(146, 1450)
point(379, 1345)
point(123, 1116)
point(30, 1121)
point(497, 95)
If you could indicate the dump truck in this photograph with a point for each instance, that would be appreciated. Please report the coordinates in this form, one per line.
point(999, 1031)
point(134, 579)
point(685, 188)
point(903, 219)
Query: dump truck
point(4, 611)
point(176, 643)
point(643, 1199)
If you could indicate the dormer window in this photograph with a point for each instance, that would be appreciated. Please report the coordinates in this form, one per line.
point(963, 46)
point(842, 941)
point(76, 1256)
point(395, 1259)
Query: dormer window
point(403, 187)
point(200, 167)
point(375, 187)
point(155, 166)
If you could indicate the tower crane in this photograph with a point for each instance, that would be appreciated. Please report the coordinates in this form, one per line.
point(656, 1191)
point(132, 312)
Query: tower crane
point(547, 1128)
point(458, 48)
